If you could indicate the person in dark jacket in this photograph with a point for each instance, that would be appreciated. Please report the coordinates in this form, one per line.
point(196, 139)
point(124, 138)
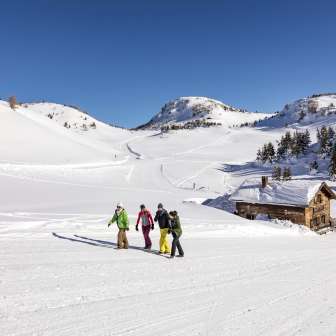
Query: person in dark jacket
point(176, 232)
point(164, 223)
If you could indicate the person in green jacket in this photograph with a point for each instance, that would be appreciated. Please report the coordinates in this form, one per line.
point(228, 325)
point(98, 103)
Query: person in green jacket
point(176, 231)
point(121, 218)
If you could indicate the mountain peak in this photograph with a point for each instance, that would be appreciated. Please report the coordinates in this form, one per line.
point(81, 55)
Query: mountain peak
point(200, 110)
point(309, 110)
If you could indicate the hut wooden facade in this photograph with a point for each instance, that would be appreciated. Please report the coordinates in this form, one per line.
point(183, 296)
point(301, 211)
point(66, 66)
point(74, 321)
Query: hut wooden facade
point(301, 201)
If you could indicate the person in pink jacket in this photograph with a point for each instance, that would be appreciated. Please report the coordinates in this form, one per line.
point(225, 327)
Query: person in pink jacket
point(147, 224)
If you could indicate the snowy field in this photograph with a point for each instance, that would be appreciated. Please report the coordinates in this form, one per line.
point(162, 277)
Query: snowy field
point(60, 273)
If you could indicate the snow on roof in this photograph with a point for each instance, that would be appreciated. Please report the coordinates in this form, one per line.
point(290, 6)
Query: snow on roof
point(294, 192)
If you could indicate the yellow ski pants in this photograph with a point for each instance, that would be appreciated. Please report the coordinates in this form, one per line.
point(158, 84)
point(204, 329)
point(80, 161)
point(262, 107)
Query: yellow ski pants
point(164, 246)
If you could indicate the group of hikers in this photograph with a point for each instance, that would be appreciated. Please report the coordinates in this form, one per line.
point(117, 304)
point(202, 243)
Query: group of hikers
point(169, 223)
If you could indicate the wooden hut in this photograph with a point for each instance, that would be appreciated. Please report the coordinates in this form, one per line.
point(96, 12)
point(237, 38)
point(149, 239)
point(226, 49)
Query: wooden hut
point(305, 202)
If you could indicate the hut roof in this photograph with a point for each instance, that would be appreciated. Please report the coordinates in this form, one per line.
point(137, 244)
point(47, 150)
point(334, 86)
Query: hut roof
point(294, 192)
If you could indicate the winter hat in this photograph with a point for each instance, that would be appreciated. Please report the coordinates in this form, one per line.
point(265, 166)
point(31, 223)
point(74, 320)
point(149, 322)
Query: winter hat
point(119, 205)
point(142, 206)
point(160, 206)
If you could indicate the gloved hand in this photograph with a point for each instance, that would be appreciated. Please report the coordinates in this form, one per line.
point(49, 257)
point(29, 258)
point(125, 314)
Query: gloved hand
point(137, 227)
point(152, 227)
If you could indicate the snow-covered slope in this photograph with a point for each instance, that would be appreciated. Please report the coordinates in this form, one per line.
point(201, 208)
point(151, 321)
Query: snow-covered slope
point(191, 109)
point(60, 273)
point(28, 135)
point(316, 109)
point(66, 116)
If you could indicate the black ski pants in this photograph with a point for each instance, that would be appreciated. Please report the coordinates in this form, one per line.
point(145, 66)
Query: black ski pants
point(176, 243)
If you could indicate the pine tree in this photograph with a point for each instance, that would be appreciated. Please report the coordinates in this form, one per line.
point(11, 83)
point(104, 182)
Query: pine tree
point(313, 165)
point(318, 135)
point(259, 155)
point(264, 154)
point(270, 152)
point(307, 140)
point(287, 174)
point(300, 143)
point(281, 152)
point(276, 173)
point(332, 164)
point(331, 133)
point(324, 140)
point(284, 146)
point(331, 136)
point(296, 146)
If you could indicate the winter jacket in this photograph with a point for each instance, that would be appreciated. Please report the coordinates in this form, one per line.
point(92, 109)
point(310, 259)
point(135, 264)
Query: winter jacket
point(121, 219)
point(176, 226)
point(163, 218)
point(146, 218)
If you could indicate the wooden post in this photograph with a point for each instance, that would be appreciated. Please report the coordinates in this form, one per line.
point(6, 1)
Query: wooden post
point(264, 181)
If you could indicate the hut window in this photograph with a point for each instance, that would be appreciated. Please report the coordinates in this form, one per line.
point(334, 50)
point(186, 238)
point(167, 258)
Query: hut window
point(314, 221)
point(319, 198)
point(323, 219)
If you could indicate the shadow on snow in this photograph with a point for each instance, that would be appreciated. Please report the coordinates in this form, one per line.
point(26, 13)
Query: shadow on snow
point(103, 243)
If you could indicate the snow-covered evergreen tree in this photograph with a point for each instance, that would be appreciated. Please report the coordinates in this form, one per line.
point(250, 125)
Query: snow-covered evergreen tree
point(270, 152)
point(313, 166)
point(324, 140)
point(287, 174)
point(276, 173)
point(332, 163)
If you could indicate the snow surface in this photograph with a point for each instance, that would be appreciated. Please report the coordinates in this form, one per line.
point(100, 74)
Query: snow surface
point(186, 109)
point(59, 271)
point(294, 192)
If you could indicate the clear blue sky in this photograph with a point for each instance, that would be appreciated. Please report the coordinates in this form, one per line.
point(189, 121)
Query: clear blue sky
point(122, 60)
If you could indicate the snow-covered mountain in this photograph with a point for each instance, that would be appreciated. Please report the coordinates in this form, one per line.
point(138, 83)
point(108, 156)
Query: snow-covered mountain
point(48, 133)
point(200, 111)
point(67, 116)
point(319, 108)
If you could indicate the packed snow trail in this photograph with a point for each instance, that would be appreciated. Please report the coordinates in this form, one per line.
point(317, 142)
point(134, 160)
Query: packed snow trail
point(69, 284)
